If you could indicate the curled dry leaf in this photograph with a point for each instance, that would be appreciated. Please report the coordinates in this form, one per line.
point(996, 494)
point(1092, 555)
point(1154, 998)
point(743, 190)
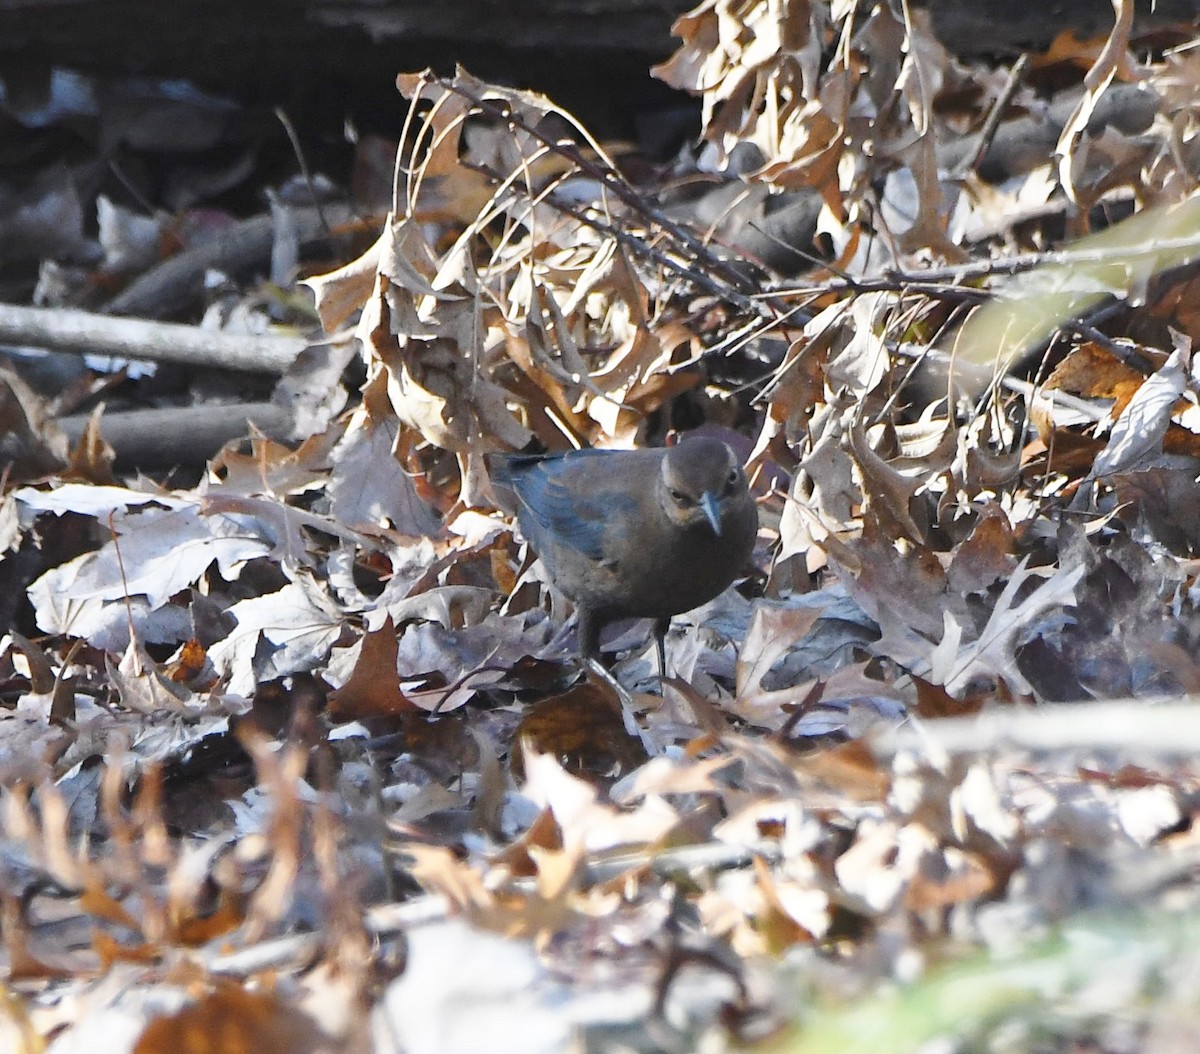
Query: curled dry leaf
point(545, 329)
point(930, 564)
point(583, 729)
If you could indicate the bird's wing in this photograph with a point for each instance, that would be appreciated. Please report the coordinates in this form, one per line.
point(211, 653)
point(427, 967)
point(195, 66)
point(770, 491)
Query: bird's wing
point(561, 513)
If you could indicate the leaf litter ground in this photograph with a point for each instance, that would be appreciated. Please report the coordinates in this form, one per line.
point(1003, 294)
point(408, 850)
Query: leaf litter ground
point(299, 757)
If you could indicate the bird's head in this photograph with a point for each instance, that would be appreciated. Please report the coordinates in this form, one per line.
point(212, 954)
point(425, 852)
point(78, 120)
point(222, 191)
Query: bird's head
point(700, 479)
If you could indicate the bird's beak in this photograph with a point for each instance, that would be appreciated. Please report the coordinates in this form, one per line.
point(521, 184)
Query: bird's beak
point(708, 503)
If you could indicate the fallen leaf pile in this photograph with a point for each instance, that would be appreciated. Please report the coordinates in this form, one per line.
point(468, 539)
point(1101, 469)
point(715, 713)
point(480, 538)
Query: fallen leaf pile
point(300, 758)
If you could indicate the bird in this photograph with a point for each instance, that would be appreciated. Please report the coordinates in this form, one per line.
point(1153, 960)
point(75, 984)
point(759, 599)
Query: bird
point(644, 533)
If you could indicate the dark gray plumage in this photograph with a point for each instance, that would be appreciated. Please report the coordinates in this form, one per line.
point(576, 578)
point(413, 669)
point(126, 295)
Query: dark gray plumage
point(633, 533)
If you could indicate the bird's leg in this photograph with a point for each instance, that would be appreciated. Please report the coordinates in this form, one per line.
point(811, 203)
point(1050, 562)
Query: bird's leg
point(661, 625)
point(588, 628)
point(588, 631)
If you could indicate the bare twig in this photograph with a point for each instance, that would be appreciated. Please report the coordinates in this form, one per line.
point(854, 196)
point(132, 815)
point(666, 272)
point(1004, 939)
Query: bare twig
point(1122, 350)
point(302, 161)
point(613, 181)
point(267, 955)
point(183, 435)
point(896, 280)
point(1169, 727)
point(687, 859)
point(992, 122)
point(640, 246)
point(1030, 391)
point(84, 333)
point(178, 282)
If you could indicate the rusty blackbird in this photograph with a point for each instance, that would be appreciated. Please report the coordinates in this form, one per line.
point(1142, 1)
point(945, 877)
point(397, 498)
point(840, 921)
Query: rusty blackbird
point(633, 533)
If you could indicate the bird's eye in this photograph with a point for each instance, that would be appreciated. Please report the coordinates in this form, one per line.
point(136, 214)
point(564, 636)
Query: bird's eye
point(732, 479)
point(678, 497)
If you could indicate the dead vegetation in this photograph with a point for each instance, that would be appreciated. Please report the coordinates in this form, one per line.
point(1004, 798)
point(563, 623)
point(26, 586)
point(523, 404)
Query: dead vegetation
point(299, 758)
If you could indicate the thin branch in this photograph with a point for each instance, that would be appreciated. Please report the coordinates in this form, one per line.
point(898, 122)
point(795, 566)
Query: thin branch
point(306, 174)
point(614, 182)
point(895, 280)
point(1167, 727)
point(1027, 389)
point(185, 435)
point(643, 248)
point(992, 123)
point(178, 281)
point(85, 333)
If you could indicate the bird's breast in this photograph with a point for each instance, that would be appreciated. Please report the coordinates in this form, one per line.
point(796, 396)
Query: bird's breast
point(658, 573)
